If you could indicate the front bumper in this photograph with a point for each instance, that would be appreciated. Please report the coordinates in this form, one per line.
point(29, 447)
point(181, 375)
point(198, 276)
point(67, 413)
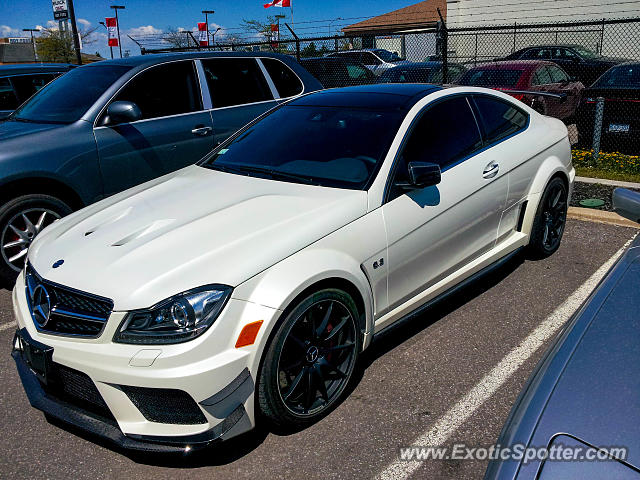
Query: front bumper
point(214, 377)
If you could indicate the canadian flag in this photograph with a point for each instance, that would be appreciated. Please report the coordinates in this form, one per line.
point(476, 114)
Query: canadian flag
point(278, 3)
point(112, 29)
point(202, 34)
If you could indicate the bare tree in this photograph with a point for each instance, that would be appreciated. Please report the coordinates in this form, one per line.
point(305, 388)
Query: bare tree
point(178, 38)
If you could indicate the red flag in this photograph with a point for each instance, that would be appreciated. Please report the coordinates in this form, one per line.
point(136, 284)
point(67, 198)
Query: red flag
point(203, 38)
point(278, 3)
point(112, 29)
point(274, 27)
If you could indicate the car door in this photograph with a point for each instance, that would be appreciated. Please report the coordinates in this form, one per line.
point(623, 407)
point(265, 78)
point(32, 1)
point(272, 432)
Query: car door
point(541, 82)
point(563, 85)
point(175, 130)
point(434, 231)
point(239, 93)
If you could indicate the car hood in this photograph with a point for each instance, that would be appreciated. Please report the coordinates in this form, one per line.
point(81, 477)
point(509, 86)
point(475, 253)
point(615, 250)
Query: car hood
point(12, 129)
point(596, 397)
point(188, 229)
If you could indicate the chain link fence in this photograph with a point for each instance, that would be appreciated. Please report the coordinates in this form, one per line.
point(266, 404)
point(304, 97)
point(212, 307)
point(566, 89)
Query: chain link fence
point(585, 73)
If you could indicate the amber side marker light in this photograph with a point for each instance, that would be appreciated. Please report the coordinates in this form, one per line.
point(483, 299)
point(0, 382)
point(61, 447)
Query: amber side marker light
point(248, 334)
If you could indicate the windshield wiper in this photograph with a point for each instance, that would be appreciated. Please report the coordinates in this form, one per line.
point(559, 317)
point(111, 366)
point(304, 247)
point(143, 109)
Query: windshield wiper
point(273, 174)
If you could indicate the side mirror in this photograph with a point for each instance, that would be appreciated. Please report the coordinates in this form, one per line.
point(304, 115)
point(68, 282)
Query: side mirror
point(123, 112)
point(423, 174)
point(627, 204)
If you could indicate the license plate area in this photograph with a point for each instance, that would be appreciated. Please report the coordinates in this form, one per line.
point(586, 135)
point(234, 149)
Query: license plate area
point(619, 128)
point(36, 355)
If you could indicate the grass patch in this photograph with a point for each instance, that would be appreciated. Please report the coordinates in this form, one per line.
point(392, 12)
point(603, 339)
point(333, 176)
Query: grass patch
point(612, 166)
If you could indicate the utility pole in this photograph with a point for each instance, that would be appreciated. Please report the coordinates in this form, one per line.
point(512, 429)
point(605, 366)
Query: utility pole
point(110, 47)
point(116, 8)
point(74, 32)
point(206, 19)
point(278, 17)
point(33, 43)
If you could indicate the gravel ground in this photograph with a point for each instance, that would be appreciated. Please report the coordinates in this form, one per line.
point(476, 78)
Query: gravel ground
point(582, 191)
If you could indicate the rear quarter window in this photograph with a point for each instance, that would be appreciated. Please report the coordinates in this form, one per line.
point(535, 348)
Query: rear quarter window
point(499, 119)
point(286, 81)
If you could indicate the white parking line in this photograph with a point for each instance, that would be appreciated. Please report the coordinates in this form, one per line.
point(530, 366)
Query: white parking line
point(7, 326)
point(447, 424)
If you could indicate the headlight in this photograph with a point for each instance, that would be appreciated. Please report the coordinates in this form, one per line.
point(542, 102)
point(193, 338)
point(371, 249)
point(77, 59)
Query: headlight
point(178, 319)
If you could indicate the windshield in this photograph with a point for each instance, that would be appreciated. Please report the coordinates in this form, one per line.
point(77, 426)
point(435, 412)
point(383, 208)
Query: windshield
point(387, 56)
point(491, 78)
point(68, 97)
point(329, 146)
point(623, 76)
point(586, 53)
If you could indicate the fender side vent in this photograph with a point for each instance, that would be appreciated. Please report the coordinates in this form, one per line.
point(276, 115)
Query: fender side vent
point(523, 210)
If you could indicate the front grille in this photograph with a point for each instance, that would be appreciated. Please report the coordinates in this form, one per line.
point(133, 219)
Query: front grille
point(165, 405)
point(76, 388)
point(65, 311)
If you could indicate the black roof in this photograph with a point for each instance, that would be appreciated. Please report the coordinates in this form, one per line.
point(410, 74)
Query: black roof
point(19, 69)
point(380, 96)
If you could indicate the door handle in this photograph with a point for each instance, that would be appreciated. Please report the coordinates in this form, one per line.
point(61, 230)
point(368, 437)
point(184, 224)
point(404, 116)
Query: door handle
point(491, 170)
point(202, 130)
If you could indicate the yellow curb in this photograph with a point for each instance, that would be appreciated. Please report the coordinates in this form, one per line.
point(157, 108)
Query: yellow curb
point(599, 216)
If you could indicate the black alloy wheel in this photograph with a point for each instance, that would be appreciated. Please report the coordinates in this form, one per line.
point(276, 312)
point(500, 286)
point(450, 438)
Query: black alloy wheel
point(311, 359)
point(550, 220)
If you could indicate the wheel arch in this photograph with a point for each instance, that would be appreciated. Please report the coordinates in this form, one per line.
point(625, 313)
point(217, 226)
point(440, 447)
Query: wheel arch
point(41, 185)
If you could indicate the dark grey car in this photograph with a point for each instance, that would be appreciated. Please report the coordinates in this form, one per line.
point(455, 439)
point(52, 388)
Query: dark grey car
point(584, 396)
point(108, 126)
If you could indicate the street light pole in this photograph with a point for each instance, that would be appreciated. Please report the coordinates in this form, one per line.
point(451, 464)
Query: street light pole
point(110, 47)
point(214, 34)
point(331, 22)
point(206, 20)
point(33, 43)
point(116, 8)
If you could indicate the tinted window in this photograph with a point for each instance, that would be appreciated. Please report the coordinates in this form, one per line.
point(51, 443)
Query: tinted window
point(541, 77)
point(27, 85)
point(564, 54)
point(235, 81)
point(445, 133)
point(491, 77)
point(286, 81)
point(8, 99)
point(169, 89)
point(624, 76)
point(329, 146)
point(357, 72)
point(369, 58)
point(557, 75)
point(537, 54)
point(498, 119)
point(408, 75)
point(355, 56)
point(71, 95)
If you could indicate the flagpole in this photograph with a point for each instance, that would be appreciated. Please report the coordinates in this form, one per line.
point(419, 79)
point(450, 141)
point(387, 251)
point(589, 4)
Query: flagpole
point(293, 25)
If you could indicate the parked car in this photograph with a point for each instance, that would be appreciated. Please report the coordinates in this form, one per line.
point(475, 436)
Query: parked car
point(620, 88)
point(584, 392)
point(579, 62)
point(422, 72)
point(105, 127)
point(375, 59)
point(530, 75)
point(19, 82)
point(249, 283)
point(334, 72)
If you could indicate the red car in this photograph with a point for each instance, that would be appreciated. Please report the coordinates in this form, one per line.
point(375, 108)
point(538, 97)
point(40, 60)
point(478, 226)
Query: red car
point(530, 75)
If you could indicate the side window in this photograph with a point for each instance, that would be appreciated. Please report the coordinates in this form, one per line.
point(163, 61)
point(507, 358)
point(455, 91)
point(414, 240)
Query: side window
point(235, 81)
point(8, 99)
point(541, 77)
point(369, 58)
point(498, 118)
point(27, 85)
point(531, 53)
point(446, 133)
point(169, 89)
point(356, 72)
point(286, 81)
point(557, 75)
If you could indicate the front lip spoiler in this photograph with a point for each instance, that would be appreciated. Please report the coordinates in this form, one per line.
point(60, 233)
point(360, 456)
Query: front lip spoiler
point(108, 430)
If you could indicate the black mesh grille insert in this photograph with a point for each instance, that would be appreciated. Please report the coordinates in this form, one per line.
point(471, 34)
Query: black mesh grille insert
point(165, 405)
point(71, 312)
point(76, 388)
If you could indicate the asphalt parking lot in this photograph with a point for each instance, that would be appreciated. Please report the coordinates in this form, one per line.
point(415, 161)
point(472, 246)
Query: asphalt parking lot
point(408, 380)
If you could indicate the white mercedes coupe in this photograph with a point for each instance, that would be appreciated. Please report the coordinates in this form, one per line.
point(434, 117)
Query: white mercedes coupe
point(172, 315)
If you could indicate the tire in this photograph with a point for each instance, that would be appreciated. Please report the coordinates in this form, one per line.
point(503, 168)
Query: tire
point(293, 396)
point(550, 219)
point(15, 241)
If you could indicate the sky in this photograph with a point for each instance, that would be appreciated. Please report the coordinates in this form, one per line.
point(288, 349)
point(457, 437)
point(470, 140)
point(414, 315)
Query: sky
point(154, 16)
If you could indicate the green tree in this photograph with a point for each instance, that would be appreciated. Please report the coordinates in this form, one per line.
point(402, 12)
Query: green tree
point(309, 51)
point(55, 45)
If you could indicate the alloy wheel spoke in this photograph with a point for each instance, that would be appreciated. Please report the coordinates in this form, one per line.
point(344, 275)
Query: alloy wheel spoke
point(294, 385)
point(21, 233)
point(40, 223)
point(325, 320)
point(545, 237)
point(16, 243)
point(322, 388)
point(297, 341)
point(332, 369)
point(310, 390)
point(341, 347)
point(556, 198)
point(31, 228)
point(337, 328)
point(19, 255)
